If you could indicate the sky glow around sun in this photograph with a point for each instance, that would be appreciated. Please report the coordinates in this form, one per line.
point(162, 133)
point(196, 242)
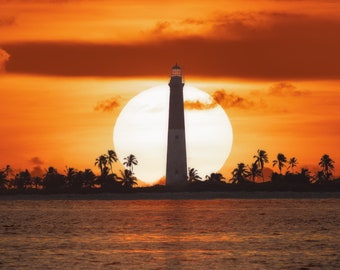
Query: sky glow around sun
point(276, 67)
point(141, 129)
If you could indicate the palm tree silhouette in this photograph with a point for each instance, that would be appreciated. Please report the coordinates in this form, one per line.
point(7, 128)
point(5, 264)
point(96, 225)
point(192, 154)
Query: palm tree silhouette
point(130, 160)
point(193, 175)
point(214, 177)
point(88, 178)
point(254, 171)
point(37, 182)
point(111, 157)
point(101, 162)
point(127, 179)
point(70, 175)
point(23, 180)
point(3, 177)
point(239, 174)
point(261, 158)
point(53, 181)
point(280, 161)
point(305, 174)
point(292, 163)
point(327, 165)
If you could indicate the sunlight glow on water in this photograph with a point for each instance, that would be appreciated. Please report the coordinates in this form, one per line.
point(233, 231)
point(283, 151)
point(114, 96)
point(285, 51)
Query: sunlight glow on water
point(170, 234)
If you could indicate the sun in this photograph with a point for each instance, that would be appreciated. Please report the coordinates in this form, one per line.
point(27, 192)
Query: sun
point(141, 129)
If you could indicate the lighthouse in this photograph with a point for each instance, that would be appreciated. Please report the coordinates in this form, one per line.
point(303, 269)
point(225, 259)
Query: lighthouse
point(176, 163)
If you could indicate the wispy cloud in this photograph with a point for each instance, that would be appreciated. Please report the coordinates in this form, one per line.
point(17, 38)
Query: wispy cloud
point(160, 28)
point(254, 100)
point(286, 89)
point(198, 105)
point(108, 105)
point(231, 100)
point(225, 99)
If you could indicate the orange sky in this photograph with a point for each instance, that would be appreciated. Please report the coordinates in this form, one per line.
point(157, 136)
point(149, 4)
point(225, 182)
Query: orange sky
point(276, 63)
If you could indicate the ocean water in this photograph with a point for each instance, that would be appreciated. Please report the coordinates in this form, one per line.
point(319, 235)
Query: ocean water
point(170, 234)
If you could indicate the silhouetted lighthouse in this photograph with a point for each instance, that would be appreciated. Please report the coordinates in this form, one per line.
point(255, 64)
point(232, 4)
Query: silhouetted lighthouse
point(176, 163)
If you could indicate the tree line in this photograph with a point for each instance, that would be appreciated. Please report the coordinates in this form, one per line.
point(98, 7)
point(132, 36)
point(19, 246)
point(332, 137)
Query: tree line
point(253, 174)
point(78, 181)
point(73, 180)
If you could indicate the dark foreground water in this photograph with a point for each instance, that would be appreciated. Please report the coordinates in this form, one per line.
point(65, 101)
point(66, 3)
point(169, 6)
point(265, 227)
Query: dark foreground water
point(170, 234)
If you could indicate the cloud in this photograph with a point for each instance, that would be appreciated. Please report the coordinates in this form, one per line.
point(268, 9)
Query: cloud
point(160, 28)
point(108, 105)
point(227, 100)
point(4, 57)
point(272, 46)
point(36, 170)
point(286, 89)
point(198, 105)
point(36, 161)
point(232, 100)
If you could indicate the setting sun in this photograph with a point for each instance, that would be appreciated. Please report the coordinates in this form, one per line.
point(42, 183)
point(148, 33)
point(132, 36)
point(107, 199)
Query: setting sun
point(141, 129)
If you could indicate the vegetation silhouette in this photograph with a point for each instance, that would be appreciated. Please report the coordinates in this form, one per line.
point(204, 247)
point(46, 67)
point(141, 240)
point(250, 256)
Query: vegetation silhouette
point(243, 178)
point(130, 160)
point(193, 175)
point(261, 159)
point(280, 161)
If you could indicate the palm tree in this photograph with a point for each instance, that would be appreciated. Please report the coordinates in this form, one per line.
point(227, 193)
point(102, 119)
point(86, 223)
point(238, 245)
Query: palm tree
point(127, 179)
point(214, 177)
point(320, 177)
point(101, 162)
point(88, 178)
point(70, 175)
point(280, 161)
point(111, 157)
point(239, 174)
point(261, 158)
point(23, 180)
point(305, 174)
point(327, 165)
point(130, 160)
point(53, 181)
point(37, 182)
point(193, 175)
point(254, 171)
point(3, 177)
point(292, 163)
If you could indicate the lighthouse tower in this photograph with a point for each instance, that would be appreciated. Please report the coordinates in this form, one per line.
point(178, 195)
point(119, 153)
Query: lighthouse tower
point(176, 164)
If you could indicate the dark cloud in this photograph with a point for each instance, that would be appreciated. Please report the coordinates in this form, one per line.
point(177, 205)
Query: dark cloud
point(286, 89)
point(36, 161)
point(232, 100)
point(276, 46)
point(108, 105)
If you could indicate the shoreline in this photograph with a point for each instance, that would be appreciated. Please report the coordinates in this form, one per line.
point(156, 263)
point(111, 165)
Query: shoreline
point(209, 195)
